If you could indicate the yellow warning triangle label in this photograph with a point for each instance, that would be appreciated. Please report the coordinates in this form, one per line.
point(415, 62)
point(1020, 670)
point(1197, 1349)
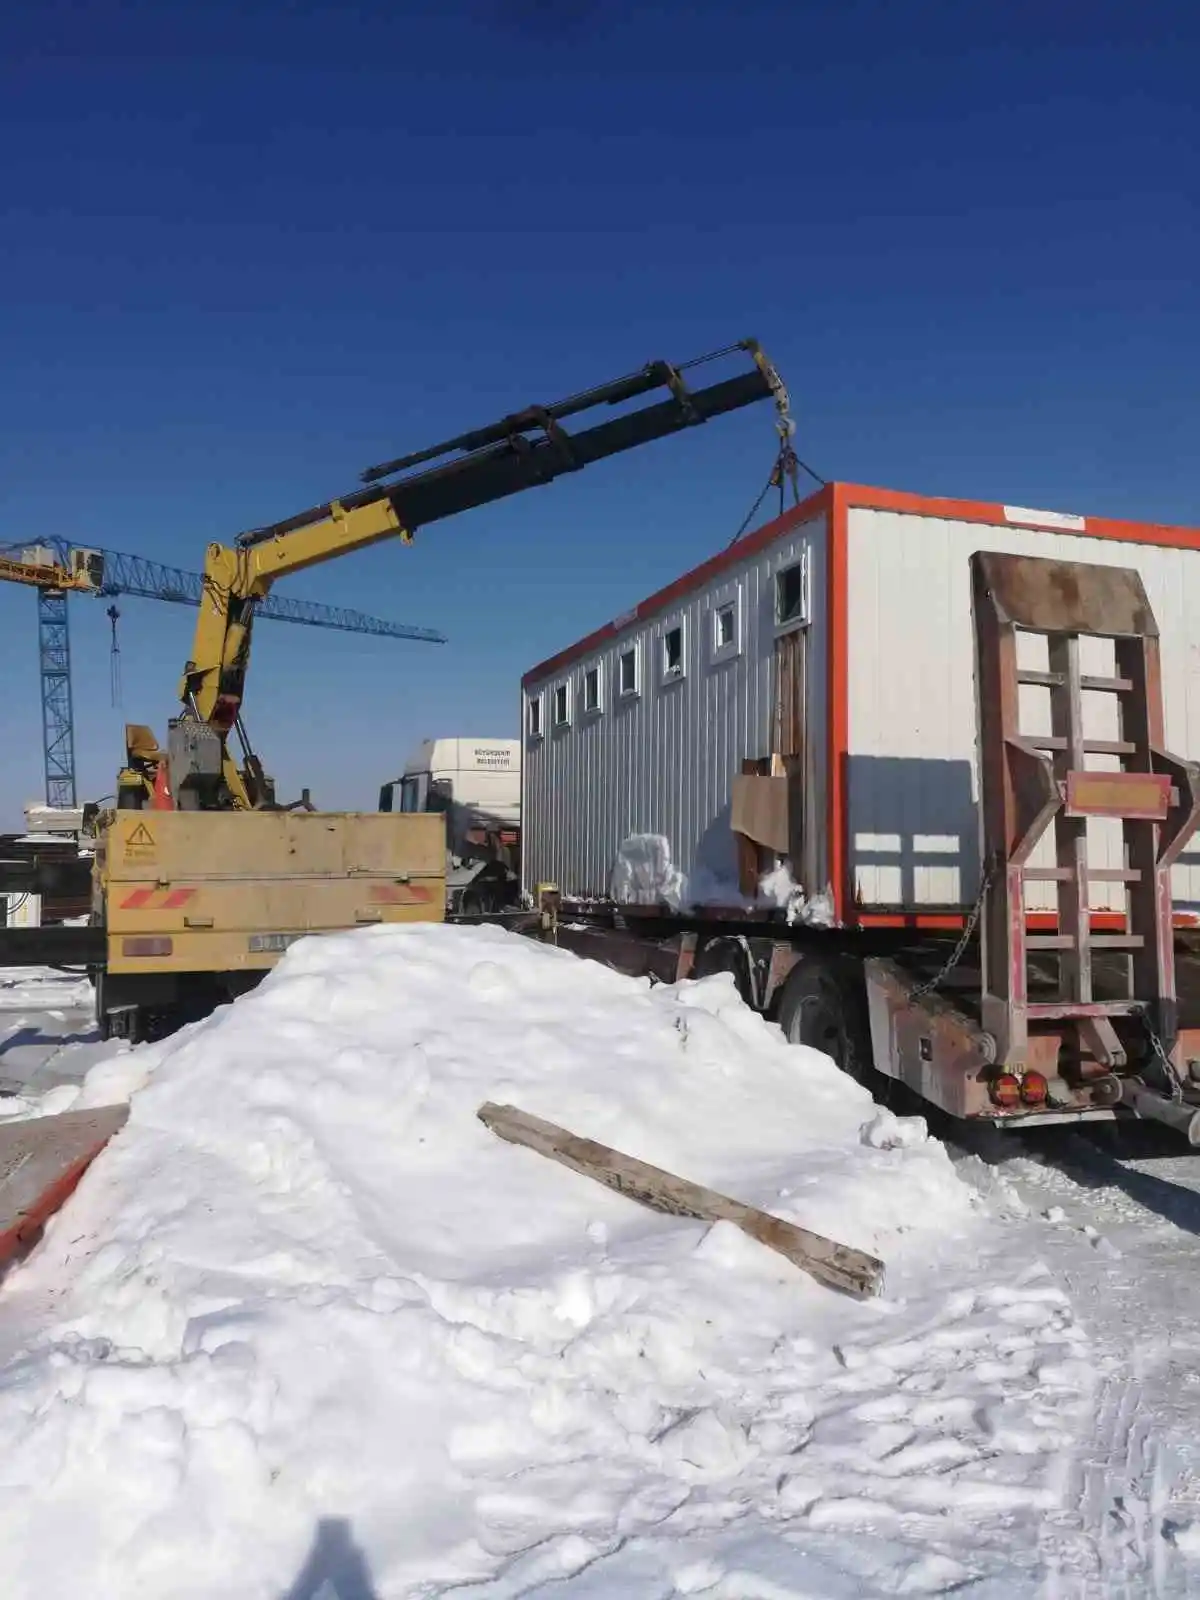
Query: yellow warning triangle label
point(141, 835)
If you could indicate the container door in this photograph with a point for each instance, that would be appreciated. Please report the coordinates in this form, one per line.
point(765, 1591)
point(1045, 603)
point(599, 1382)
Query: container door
point(790, 752)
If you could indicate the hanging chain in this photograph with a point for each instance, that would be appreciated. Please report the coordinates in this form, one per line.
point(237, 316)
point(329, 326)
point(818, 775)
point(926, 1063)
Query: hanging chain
point(986, 879)
point(1160, 1050)
point(114, 659)
point(787, 465)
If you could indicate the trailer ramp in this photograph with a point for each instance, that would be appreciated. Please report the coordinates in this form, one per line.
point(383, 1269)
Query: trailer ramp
point(1081, 1018)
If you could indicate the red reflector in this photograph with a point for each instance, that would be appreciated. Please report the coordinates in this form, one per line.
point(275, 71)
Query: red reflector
point(1034, 1089)
point(1005, 1090)
point(147, 947)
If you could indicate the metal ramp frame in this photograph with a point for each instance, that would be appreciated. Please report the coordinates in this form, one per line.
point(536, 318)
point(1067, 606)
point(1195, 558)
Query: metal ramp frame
point(1032, 782)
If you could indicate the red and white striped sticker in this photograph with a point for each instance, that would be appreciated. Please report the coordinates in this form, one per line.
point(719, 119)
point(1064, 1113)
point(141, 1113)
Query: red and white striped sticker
point(399, 894)
point(156, 899)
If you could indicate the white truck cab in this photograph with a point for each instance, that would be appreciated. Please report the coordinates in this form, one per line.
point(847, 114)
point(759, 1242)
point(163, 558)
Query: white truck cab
point(484, 775)
point(477, 784)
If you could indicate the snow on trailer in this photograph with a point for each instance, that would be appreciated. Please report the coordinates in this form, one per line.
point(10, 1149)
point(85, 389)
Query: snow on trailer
point(836, 640)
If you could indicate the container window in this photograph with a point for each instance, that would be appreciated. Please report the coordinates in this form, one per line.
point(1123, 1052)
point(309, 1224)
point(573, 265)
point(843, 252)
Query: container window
point(562, 705)
point(725, 627)
point(790, 595)
point(591, 689)
point(627, 675)
point(535, 717)
point(673, 652)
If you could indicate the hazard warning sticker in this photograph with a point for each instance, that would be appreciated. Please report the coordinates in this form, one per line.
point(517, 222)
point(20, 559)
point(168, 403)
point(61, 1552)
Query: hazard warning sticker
point(140, 846)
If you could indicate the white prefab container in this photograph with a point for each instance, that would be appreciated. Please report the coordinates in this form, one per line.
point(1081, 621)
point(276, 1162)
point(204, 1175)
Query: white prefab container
point(842, 629)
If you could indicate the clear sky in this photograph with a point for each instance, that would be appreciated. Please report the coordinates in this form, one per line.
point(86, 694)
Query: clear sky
point(249, 249)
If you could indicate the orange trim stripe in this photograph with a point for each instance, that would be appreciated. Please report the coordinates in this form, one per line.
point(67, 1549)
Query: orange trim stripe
point(924, 505)
point(1036, 921)
point(838, 733)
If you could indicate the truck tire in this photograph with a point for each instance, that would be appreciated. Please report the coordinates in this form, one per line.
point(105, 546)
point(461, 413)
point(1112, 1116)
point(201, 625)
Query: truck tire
point(823, 1005)
point(724, 955)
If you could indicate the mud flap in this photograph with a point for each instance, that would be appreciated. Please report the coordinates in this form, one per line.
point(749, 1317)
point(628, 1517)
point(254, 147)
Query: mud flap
point(41, 1161)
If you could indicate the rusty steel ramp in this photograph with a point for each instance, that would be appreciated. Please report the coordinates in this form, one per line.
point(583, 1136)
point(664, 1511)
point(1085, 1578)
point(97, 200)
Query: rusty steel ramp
point(41, 1161)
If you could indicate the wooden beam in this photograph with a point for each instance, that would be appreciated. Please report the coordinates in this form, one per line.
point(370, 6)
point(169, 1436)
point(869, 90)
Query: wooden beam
point(836, 1265)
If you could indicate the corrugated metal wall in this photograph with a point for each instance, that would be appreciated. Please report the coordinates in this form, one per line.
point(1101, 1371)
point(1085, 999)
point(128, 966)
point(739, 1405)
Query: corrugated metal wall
point(663, 760)
point(912, 781)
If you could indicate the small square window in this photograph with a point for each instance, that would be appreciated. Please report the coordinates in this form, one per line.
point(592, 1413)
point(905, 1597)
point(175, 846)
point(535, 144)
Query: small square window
point(789, 595)
point(725, 627)
point(562, 705)
point(627, 672)
point(673, 652)
point(591, 689)
point(535, 717)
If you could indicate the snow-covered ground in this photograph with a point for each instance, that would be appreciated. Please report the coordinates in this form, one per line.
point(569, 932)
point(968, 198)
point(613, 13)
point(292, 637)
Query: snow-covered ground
point(308, 1331)
point(48, 1035)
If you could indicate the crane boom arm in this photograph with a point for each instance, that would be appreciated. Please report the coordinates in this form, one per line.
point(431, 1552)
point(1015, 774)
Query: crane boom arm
point(521, 451)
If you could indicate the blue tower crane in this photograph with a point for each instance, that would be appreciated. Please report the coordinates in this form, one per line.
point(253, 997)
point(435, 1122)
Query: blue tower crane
point(56, 568)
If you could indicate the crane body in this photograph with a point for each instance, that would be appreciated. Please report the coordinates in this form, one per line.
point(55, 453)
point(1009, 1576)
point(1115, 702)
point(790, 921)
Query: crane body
point(202, 878)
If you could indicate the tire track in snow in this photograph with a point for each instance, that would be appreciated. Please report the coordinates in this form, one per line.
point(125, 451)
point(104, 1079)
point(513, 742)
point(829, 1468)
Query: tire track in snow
point(1107, 1543)
point(1123, 1238)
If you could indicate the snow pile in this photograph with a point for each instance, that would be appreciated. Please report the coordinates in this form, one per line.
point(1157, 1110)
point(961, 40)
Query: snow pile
point(778, 889)
point(308, 1328)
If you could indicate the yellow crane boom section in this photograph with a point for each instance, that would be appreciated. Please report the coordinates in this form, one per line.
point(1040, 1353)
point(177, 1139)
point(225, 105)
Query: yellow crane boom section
point(43, 575)
point(523, 450)
point(235, 579)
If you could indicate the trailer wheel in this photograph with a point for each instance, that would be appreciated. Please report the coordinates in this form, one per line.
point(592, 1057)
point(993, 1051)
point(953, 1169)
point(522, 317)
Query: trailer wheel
point(821, 1006)
point(129, 1023)
point(724, 955)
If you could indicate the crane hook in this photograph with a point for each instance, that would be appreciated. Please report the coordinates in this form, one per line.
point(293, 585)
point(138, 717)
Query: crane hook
point(114, 657)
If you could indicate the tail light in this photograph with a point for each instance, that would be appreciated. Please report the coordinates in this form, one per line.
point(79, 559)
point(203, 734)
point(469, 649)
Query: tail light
point(1005, 1090)
point(1034, 1089)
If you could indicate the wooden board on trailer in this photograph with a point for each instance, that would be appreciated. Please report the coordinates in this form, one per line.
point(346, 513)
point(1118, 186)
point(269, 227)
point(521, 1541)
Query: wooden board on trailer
point(836, 1265)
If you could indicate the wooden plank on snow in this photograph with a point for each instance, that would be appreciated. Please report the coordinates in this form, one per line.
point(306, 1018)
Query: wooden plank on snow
point(836, 1265)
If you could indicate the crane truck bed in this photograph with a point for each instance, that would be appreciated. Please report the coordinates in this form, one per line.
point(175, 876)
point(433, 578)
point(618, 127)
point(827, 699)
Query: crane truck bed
point(197, 905)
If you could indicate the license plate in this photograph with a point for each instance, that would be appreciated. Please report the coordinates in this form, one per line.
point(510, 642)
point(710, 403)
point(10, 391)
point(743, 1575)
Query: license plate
point(260, 943)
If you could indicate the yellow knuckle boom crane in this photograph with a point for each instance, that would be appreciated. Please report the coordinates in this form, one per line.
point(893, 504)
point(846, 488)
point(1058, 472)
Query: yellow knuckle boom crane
point(185, 896)
point(519, 452)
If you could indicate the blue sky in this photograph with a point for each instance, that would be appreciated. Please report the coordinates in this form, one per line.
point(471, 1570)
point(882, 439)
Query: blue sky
point(248, 250)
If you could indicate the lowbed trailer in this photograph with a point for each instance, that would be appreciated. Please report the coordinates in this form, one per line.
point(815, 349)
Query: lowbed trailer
point(994, 1016)
point(818, 987)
